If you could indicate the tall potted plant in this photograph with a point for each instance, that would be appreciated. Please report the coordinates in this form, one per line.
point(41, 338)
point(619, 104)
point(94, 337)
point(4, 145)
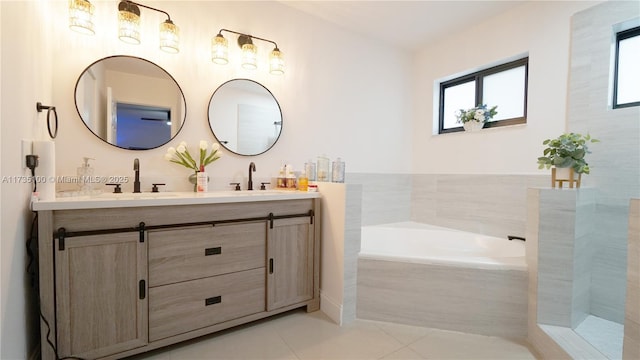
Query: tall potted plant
point(566, 152)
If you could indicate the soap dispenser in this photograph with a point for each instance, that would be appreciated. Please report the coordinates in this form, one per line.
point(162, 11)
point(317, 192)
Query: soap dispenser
point(85, 176)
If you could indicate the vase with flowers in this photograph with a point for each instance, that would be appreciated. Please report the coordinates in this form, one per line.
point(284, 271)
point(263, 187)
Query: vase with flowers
point(207, 155)
point(474, 119)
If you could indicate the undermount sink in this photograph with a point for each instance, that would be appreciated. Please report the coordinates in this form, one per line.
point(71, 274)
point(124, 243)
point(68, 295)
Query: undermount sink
point(129, 196)
point(259, 192)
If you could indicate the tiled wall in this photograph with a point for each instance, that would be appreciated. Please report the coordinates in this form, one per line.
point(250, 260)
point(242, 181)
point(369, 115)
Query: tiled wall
point(486, 204)
point(615, 161)
point(632, 318)
point(386, 198)
point(564, 234)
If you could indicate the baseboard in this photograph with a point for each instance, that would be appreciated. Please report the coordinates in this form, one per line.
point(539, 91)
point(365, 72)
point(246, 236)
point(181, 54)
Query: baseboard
point(34, 354)
point(331, 308)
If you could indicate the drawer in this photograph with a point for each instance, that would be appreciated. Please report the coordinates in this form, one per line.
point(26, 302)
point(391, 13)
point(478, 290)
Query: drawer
point(190, 305)
point(201, 251)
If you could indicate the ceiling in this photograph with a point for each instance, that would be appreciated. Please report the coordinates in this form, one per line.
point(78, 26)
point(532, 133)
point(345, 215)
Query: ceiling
point(407, 24)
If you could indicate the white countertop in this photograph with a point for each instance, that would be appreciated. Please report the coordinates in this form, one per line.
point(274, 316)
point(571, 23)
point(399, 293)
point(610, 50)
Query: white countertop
point(111, 200)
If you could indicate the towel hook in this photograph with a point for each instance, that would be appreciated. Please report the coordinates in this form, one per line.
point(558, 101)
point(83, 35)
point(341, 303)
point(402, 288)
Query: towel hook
point(50, 109)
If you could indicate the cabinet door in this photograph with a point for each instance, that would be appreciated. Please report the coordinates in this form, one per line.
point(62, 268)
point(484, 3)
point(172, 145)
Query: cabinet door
point(290, 262)
point(101, 294)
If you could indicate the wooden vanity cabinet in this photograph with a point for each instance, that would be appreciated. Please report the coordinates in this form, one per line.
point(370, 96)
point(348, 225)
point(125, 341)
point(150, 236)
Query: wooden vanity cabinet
point(290, 254)
point(121, 281)
point(204, 275)
point(101, 294)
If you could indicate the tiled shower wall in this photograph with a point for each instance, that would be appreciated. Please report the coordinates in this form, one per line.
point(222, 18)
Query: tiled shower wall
point(615, 161)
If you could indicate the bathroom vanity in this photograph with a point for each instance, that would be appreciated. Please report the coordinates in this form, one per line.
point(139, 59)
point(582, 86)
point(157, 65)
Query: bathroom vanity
point(122, 274)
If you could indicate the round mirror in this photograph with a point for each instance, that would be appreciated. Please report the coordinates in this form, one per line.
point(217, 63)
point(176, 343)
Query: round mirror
point(245, 117)
point(130, 102)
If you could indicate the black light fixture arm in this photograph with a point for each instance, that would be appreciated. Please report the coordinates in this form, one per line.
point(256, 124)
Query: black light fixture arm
point(246, 38)
point(148, 7)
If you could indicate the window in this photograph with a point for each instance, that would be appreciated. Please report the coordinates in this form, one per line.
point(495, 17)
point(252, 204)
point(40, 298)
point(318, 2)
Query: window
point(626, 86)
point(503, 85)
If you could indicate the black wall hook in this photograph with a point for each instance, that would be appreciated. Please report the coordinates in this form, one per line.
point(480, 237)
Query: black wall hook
point(50, 109)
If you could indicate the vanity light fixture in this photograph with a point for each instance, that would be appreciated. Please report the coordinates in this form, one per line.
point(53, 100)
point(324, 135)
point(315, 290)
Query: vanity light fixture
point(81, 16)
point(220, 52)
point(129, 26)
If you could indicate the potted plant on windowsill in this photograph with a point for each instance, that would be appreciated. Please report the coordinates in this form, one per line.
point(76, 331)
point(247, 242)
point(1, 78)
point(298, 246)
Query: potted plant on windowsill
point(566, 154)
point(475, 118)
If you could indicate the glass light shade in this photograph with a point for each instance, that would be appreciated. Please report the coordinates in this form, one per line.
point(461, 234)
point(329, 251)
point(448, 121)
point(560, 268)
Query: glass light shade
point(169, 37)
point(249, 56)
point(129, 27)
point(219, 50)
point(276, 62)
point(81, 16)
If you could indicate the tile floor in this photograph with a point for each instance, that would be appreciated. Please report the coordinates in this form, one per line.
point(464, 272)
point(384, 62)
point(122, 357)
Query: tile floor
point(604, 335)
point(298, 335)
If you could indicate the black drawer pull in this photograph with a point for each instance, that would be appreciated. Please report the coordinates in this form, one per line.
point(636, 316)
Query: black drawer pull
point(270, 266)
point(142, 286)
point(213, 300)
point(213, 251)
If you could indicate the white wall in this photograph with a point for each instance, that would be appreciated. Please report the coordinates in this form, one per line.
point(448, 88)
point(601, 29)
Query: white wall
point(26, 79)
point(539, 28)
point(338, 90)
point(342, 94)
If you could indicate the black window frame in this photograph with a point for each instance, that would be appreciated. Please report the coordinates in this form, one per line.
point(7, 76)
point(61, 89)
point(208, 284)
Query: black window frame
point(622, 35)
point(478, 76)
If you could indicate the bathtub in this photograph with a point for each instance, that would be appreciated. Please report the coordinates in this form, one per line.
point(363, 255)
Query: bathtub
point(425, 275)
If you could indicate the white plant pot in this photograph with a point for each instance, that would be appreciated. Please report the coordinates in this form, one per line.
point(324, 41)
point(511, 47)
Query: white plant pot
point(473, 126)
point(563, 173)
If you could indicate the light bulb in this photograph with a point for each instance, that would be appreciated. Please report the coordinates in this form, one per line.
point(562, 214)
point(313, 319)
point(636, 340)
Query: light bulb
point(249, 56)
point(129, 23)
point(81, 16)
point(169, 37)
point(219, 50)
point(276, 62)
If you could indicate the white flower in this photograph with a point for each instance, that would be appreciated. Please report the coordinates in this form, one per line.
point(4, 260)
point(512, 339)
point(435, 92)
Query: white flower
point(219, 154)
point(171, 150)
point(168, 156)
point(181, 148)
point(183, 143)
point(215, 146)
point(203, 145)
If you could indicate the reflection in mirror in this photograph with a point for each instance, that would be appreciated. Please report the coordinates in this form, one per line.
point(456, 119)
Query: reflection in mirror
point(245, 117)
point(130, 102)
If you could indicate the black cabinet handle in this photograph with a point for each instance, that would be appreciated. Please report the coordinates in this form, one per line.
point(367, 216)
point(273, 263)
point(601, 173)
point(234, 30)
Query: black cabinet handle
point(213, 300)
point(213, 251)
point(142, 289)
point(270, 266)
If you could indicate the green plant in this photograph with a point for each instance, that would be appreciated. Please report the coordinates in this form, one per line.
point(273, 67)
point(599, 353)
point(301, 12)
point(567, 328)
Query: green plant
point(567, 150)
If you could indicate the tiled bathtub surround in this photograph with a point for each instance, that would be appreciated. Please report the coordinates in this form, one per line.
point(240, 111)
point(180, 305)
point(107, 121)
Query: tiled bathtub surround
point(386, 198)
point(485, 204)
point(615, 161)
point(479, 301)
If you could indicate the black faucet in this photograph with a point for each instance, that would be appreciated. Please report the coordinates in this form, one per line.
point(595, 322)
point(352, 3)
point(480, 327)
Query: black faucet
point(252, 168)
point(136, 182)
